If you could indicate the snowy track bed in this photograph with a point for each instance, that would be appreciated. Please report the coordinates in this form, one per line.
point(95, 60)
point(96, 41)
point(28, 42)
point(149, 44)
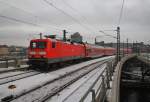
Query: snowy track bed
point(51, 88)
point(41, 87)
point(13, 76)
point(76, 91)
point(11, 69)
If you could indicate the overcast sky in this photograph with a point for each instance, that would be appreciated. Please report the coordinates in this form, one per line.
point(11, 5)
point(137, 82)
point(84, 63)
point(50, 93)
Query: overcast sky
point(22, 20)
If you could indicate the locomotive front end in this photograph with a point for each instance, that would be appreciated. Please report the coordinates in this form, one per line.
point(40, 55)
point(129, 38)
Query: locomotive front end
point(37, 53)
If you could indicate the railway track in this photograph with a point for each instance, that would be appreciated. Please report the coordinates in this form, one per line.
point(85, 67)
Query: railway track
point(50, 88)
point(13, 76)
point(13, 69)
point(76, 91)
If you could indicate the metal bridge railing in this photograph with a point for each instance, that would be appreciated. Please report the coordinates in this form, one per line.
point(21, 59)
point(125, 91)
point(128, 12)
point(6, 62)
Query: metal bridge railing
point(103, 82)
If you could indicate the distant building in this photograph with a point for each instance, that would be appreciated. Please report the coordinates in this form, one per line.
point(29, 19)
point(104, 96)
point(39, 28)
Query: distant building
point(76, 37)
point(4, 50)
point(19, 51)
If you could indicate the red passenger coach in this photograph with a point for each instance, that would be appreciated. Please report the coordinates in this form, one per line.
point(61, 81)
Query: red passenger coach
point(47, 51)
point(109, 51)
point(93, 51)
point(127, 50)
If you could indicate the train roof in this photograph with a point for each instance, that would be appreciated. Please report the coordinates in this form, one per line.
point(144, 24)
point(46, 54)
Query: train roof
point(94, 46)
point(57, 40)
point(97, 46)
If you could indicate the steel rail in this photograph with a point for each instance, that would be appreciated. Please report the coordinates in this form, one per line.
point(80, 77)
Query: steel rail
point(18, 77)
point(15, 69)
point(9, 74)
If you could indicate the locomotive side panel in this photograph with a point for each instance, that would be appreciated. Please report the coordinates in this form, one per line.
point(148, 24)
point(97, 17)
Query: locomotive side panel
point(70, 51)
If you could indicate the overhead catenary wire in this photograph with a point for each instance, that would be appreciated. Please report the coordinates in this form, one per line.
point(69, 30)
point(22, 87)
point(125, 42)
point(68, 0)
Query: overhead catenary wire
point(25, 22)
point(65, 13)
point(78, 13)
point(108, 35)
point(121, 12)
point(119, 20)
point(35, 16)
point(17, 20)
point(85, 19)
point(12, 6)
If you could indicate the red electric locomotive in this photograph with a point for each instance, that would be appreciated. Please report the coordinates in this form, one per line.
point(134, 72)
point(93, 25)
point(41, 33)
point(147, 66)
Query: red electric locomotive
point(47, 51)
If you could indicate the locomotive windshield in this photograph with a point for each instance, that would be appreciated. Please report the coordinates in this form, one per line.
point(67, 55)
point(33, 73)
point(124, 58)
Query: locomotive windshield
point(40, 45)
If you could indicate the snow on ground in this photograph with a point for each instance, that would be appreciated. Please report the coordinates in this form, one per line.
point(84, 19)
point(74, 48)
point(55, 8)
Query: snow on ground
point(2, 61)
point(38, 80)
point(11, 68)
point(75, 92)
point(8, 61)
point(17, 77)
point(11, 74)
point(13, 60)
point(50, 88)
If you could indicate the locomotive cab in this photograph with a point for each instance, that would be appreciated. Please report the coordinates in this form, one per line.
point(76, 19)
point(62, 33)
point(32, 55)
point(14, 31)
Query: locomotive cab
point(37, 49)
point(37, 54)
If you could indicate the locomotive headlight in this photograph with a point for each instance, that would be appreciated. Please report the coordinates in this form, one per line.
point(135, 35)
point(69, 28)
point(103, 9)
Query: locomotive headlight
point(32, 53)
point(42, 53)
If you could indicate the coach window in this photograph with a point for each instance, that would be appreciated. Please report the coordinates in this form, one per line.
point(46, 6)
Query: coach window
point(53, 44)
